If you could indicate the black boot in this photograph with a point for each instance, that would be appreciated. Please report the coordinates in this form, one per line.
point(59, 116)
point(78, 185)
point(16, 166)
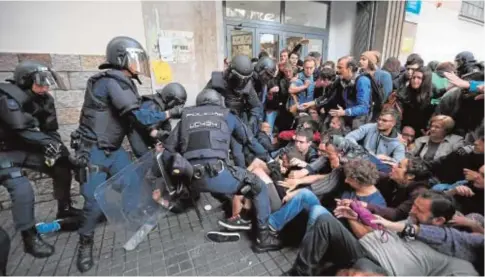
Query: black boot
point(35, 245)
point(85, 253)
point(65, 209)
point(267, 240)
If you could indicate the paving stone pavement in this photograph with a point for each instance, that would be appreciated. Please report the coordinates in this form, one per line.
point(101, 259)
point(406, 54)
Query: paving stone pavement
point(176, 247)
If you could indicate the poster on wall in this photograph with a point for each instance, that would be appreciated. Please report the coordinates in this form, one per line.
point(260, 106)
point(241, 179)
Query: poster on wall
point(176, 46)
point(242, 45)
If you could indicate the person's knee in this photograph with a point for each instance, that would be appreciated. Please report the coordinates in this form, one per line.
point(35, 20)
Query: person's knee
point(318, 210)
point(22, 191)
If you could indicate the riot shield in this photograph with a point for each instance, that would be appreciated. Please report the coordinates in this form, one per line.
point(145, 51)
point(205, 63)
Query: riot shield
point(126, 199)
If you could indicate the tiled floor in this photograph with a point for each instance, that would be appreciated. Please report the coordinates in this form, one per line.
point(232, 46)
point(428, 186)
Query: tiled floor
point(176, 247)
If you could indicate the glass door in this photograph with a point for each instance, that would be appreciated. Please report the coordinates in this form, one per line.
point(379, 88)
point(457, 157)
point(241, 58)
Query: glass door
point(268, 41)
point(291, 40)
point(240, 41)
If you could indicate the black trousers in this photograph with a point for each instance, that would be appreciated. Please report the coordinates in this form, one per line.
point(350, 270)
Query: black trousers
point(60, 173)
point(330, 241)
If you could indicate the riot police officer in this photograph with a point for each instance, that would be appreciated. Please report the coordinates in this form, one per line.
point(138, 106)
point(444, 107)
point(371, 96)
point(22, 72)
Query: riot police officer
point(263, 79)
point(202, 137)
point(235, 84)
point(29, 138)
point(110, 109)
point(171, 98)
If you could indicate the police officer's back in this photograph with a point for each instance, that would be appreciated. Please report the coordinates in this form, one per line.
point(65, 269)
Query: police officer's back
point(203, 137)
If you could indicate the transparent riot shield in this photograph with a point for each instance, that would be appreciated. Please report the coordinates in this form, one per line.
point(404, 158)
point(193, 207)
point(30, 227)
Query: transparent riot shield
point(126, 200)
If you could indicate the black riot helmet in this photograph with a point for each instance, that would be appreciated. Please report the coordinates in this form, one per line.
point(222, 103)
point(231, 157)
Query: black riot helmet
point(239, 72)
point(209, 97)
point(265, 68)
point(172, 95)
point(126, 53)
point(464, 58)
point(28, 73)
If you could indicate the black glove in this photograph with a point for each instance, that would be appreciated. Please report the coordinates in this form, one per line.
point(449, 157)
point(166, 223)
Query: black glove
point(463, 151)
point(52, 153)
point(176, 111)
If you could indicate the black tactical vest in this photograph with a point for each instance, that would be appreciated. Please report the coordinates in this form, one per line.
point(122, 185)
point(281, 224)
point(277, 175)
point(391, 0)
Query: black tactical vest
point(12, 102)
point(204, 132)
point(233, 99)
point(100, 117)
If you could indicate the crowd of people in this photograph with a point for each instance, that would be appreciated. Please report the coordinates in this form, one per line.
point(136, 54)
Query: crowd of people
point(368, 152)
point(385, 164)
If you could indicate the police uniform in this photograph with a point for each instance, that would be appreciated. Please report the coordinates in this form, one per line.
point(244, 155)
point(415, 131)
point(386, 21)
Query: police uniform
point(27, 128)
point(111, 107)
point(171, 98)
point(203, 137)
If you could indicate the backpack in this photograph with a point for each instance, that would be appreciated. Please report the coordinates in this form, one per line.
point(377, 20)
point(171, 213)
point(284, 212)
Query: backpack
point(377, 95)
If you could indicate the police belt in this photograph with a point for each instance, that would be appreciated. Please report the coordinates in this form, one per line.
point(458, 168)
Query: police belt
point(210, 170)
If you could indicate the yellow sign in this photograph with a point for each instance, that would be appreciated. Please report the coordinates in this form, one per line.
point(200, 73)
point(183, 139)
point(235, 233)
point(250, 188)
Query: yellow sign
point(407, 45)
point(162, 72)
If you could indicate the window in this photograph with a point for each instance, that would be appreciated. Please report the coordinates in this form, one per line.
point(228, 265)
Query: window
point(251, 10)
point(472, 10)
point(310, 14)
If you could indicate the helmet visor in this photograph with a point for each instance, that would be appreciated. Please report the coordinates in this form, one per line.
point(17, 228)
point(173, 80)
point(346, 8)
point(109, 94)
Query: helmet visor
point(48, 78)
point(237, 80)
point(138, 61)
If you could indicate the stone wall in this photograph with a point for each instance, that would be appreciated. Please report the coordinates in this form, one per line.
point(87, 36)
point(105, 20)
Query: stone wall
point(75, 71)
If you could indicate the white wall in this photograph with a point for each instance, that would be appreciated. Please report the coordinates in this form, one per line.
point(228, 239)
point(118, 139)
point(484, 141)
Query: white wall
point(342, 24)
point(441, 34)
point(67, 27)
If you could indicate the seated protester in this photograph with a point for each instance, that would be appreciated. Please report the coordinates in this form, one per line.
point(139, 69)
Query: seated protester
point(450, 168)
point(397, 256)
point(442, 237)
point(469, 196)
point(241, 206)
point(324, 81)
point(303, 88)
point(407, 138)
point(415, 101)
point(315, 115)
point(381, 138)
point(360, 175)
point(301, 122)
point(303, 142)
point(338, 151)
point(336, 124)
point(440, 141)
point(405, 182)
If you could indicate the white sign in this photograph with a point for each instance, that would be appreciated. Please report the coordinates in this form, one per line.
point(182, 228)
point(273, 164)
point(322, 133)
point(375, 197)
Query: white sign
point(176, 46)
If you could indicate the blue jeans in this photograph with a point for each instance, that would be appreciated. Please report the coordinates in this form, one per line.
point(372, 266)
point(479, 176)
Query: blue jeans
point(304, 200)
point(114, 162)
point(271, 118)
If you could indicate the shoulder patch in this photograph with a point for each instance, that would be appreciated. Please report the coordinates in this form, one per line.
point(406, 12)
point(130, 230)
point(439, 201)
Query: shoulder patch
point(12, 105)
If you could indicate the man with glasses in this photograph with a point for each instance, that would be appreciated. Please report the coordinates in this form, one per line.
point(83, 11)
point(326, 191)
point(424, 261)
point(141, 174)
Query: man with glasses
point(381, 138)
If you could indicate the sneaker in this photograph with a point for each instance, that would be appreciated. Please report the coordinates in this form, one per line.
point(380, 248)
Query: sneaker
point(235, 223)
point(267, 240)
point(216, 236)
